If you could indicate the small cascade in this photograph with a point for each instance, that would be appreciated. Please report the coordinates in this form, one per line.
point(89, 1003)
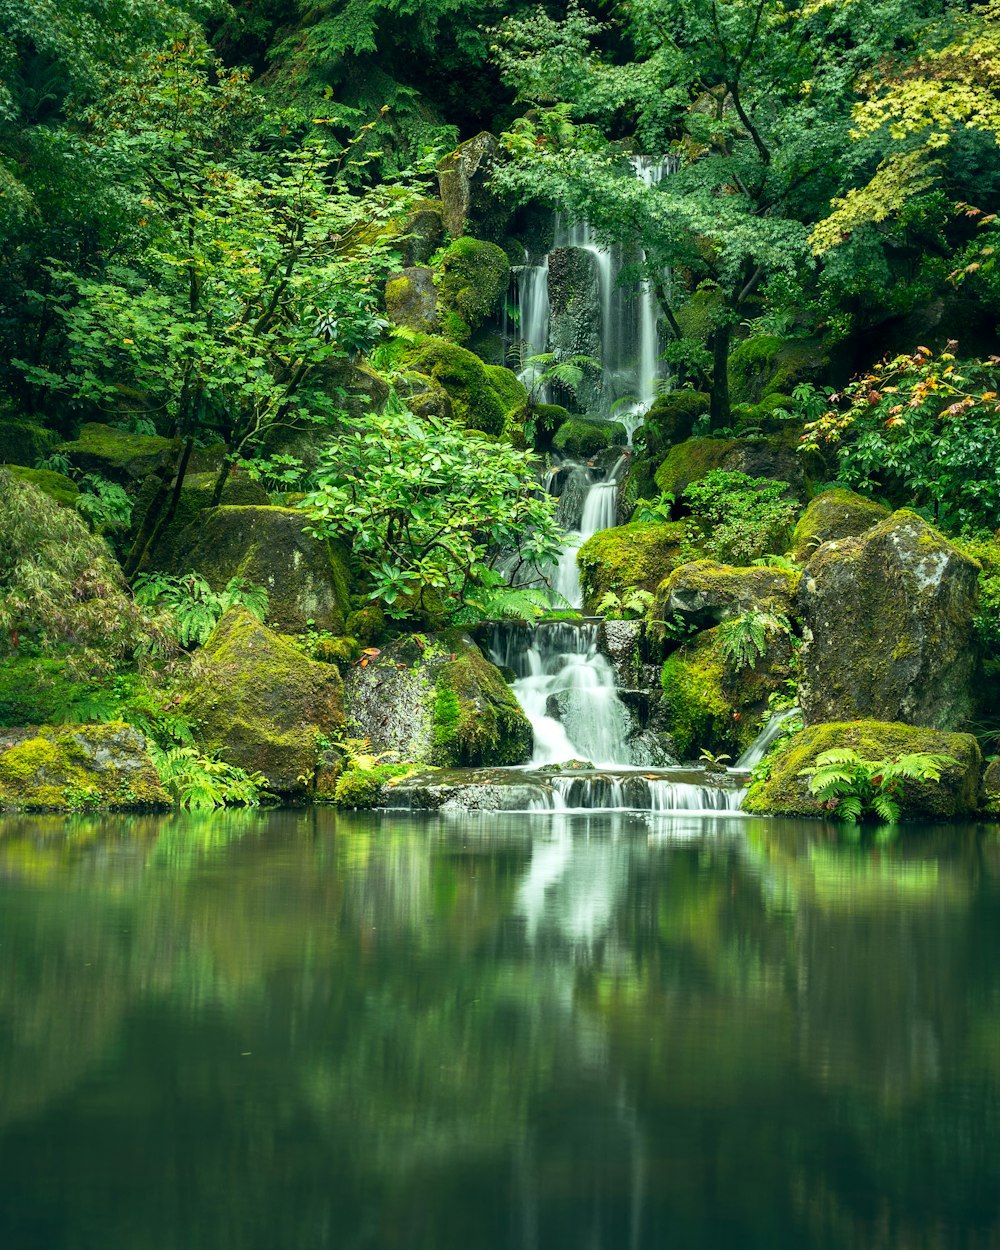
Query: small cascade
point(638, 792)
point(531, 299)
point(760, 746)
point(567, 690)
point(600, 512)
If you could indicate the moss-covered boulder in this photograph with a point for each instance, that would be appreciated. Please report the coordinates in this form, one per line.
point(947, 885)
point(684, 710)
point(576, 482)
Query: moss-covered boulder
point(262, 703)
point(583, 439)
point(306, 579)
point(437, 701)
point(73, 767)
point(706, 592)
point(470, 206)
point(768, 364)
point(475, 400)
point(774, 457)
point(194, 499)
point(671, 417)
point(785, 793)
point(411, 299)
point(23, 441)
point(989, 801)
point(833, 514)
point(115, 454)
point(575, 313)
point(472, 279)
point(629, 557)
point(888, 627)
point(712, 703)
point(56, 485)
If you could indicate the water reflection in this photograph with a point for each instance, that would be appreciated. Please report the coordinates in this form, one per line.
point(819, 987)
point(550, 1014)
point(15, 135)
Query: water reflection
point(317, 1029)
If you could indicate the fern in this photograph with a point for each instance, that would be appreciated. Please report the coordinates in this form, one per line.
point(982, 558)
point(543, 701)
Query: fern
point(743, 639)
point(195, 606)
point(204, 782)
point(776, 562)
point(852, 787)
point(630, 606)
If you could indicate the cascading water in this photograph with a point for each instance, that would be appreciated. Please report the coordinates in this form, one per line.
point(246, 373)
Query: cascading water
point(531, 299)
point(600, 512)
point(760, 746)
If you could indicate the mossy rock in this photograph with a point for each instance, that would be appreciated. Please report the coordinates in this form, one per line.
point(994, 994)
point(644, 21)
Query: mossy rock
point(115, 454)
point(706, 593)
point(711, 703)
point(583, 439)
point(56, 485)
point(767, 364)
point(74, 767)
point(774, 457)
point(700, 315)
point(548, 419)
point(474, 398)
point(785, 793)
point(415, 235)
point(195, 498)
point(472, 279)
point(24, 442)
point(888, 627)
point(671, 418)
point(262, 703)
point(989, 799)
point(366, 624)
point(424, 395)
point(307, 579)
point(628, 557)
point(833, 514)
point(411, 299)
point(437, 701)
point(470, 207)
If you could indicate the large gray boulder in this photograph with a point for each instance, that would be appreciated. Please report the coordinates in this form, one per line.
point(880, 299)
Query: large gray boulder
point(833, 514)
point(888, 627)
point(707, 593)
point(470, 207)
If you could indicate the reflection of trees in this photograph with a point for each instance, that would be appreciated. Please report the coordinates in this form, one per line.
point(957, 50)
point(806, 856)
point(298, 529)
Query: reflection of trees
point(385, 1032)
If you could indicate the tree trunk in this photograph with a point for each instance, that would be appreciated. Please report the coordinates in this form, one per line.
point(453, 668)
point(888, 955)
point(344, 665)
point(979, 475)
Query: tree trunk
point(160, 512)
point(720, 376)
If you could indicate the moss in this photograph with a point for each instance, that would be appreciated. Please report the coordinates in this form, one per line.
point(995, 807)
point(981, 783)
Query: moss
point(87, 766)
point(358, 788)
point(785, 793)
point(339, 651)
point(472, 277)
point(475, 401)
point(508, 387)
point(705, 592)
point(691, 460)
point(672, 416)
point(56, 485)
point(476, 718)
point(696, 709)
point(833, 514)
point(116, 454)
point(750, 367)
point(698, 317)
point(24, 442)
point(583, 439)
point(366, 624)
point(630, 556)
point(262, 702)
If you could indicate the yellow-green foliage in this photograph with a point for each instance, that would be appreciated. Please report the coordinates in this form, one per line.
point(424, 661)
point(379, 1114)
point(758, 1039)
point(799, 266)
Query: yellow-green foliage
point(471, 280)
point(89, 766)
point(784, 792)
point(627, 557)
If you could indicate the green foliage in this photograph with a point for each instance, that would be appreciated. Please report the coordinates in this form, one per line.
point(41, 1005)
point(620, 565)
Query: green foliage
point(429, 509)
point(106, 505)
point(202, 782)
point(628, 606)
point(743, 638)
point(743, 516)
point(196, 608)
point(924, 430)
point(853, 788)
point(655, 511)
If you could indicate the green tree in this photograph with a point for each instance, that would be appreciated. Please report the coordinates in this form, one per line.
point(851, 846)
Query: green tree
point(753, 96)
point(247, 283)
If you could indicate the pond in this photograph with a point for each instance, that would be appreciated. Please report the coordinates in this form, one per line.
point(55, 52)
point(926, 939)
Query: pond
point(608, 1032)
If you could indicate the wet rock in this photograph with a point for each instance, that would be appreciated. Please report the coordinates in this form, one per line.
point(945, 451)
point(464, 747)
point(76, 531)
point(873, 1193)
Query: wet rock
point(115, 454)
point(441, 703)
point(833, 514)
point(578, 437)
point(575, 313)
point(706, 593)
point(67, 767)
point(263, 704)
point(620, 641)
point(411, 299)
point(888, 627)
point(306, 578)
point(786, 793)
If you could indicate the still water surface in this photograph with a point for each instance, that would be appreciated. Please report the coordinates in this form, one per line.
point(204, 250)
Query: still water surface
point(611, 1032)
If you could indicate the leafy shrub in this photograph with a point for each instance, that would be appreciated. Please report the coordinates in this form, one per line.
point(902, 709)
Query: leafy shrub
point(744, 516)
point(853, 787)
point(196, 608)
point(924, 430)
point(106, 505)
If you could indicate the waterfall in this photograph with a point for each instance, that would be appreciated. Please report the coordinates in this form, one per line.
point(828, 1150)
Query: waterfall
point(600, 512)
point(531, 299)
point(757, 749)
